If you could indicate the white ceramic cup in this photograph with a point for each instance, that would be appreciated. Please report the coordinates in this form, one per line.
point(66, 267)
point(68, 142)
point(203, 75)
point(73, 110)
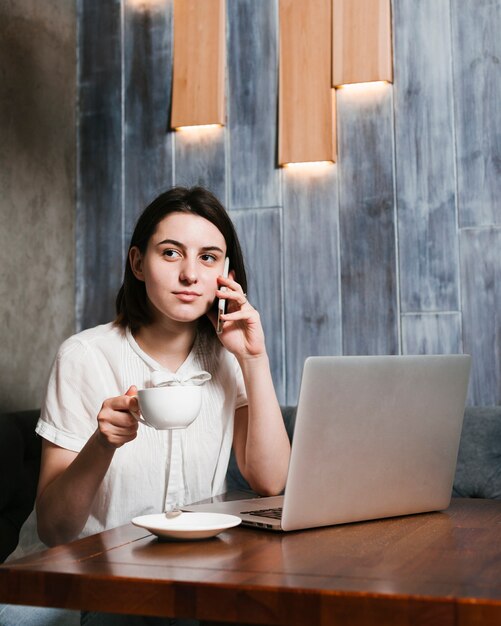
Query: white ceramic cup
point(169, 407)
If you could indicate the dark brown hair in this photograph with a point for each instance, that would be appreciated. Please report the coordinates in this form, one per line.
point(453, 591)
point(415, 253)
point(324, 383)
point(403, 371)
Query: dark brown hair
point(132, 303)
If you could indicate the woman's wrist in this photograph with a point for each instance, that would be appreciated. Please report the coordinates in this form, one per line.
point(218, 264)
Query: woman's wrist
point(103, 444)
point(251, 363)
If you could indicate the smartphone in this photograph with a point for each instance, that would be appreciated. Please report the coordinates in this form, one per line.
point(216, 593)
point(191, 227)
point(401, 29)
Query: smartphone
point(221, 303)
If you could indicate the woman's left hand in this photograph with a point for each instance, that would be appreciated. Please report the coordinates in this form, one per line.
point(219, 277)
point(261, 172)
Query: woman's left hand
point(242, 332)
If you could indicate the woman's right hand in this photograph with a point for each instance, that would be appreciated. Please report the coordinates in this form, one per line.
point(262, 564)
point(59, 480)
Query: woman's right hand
point(116, 423)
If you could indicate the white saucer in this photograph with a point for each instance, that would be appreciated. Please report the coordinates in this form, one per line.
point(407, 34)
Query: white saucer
point(187, 525)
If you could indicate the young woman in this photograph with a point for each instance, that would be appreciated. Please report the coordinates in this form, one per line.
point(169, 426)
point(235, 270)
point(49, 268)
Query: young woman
point(100, 467)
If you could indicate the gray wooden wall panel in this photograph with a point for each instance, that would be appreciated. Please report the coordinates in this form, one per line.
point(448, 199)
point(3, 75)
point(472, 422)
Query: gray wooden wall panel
point(147, 94)
point(366, 221)
point(424, 149)
point(200, 159)
point(311, 269)
point(441, 129)
point(476, 27)
point(259, 231)
point(432, 333)
point(99, 171)
point(481, 296)
point(252, 102)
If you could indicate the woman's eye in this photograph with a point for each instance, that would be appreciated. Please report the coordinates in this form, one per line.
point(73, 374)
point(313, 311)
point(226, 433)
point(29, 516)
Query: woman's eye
point(171, 254)
point(208, 258)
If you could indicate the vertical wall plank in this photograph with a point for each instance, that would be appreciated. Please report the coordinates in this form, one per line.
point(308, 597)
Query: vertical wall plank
point(311, 269)
point(147, 78)
point(99, 172)
point(259, 231)
point(432, 333)
point(481, 300)
point(200, 159)
point(476, 48)
point(252, 106)
point(366, 220)
point(425, 157)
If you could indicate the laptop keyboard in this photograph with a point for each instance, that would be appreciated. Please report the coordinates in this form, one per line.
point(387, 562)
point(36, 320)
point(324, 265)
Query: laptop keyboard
point(273, 513)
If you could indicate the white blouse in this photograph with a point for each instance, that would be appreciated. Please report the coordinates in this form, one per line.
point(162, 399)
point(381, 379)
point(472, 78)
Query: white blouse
point(159, 468)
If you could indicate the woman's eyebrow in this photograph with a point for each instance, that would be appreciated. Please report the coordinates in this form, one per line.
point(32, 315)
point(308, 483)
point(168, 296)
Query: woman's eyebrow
point(173, 242)
point(211, 249)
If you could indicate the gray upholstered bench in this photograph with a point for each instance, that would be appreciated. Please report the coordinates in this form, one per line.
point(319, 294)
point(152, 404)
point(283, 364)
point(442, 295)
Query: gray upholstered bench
point(478, 471)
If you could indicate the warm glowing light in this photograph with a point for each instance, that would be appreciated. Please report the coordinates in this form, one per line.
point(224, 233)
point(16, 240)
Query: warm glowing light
point(372, 86)
point(198, 127)
point(309, 164)
point(146, 5)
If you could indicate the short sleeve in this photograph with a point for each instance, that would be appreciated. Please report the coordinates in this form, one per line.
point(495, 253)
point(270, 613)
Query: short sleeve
point(73, 399)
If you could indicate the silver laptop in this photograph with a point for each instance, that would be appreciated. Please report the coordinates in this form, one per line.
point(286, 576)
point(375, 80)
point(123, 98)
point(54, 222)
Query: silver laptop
point(375, 436)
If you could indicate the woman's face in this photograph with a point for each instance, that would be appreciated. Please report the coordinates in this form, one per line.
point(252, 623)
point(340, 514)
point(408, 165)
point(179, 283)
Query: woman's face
point(183, 259)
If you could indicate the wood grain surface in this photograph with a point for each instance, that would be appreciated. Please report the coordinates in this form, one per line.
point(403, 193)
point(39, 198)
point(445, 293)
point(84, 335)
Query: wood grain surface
point(432, 333)
point(312, 301)
point(260, 233)
point(305, 111)
point(199, 63)
point(435, 568)
point(200, 158)
point(148, 158)
point(424, 152)
point(99, 209)
point(361, 41)
point(481, 295)
point(476, 48)
point(252, 104)
point(367, 221)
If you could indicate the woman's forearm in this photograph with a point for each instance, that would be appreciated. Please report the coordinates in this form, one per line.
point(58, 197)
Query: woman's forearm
point(267, 448)
point(68, 484)
point(64, 505)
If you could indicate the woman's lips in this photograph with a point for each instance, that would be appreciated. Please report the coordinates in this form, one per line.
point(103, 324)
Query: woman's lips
point(187, 296)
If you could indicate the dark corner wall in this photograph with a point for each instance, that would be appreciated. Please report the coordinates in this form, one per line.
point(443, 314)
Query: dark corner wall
point(37, 192)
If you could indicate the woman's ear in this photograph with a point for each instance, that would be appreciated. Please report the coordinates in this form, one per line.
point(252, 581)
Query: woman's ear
point(136, 262)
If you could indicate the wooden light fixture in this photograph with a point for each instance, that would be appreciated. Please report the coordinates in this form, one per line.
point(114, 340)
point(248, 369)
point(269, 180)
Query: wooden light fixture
point(199, 63)
point(361, 41)
point(306, 106)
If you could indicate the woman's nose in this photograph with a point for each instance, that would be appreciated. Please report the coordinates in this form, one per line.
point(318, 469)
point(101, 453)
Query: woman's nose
point(188, 272)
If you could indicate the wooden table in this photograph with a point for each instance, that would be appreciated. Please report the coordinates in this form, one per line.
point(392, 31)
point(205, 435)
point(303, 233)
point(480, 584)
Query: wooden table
point(437, 568)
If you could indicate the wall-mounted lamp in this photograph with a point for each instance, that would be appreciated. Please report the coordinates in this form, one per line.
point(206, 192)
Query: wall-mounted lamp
point(306, 99)
point(361, 41)
point(198, 63)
